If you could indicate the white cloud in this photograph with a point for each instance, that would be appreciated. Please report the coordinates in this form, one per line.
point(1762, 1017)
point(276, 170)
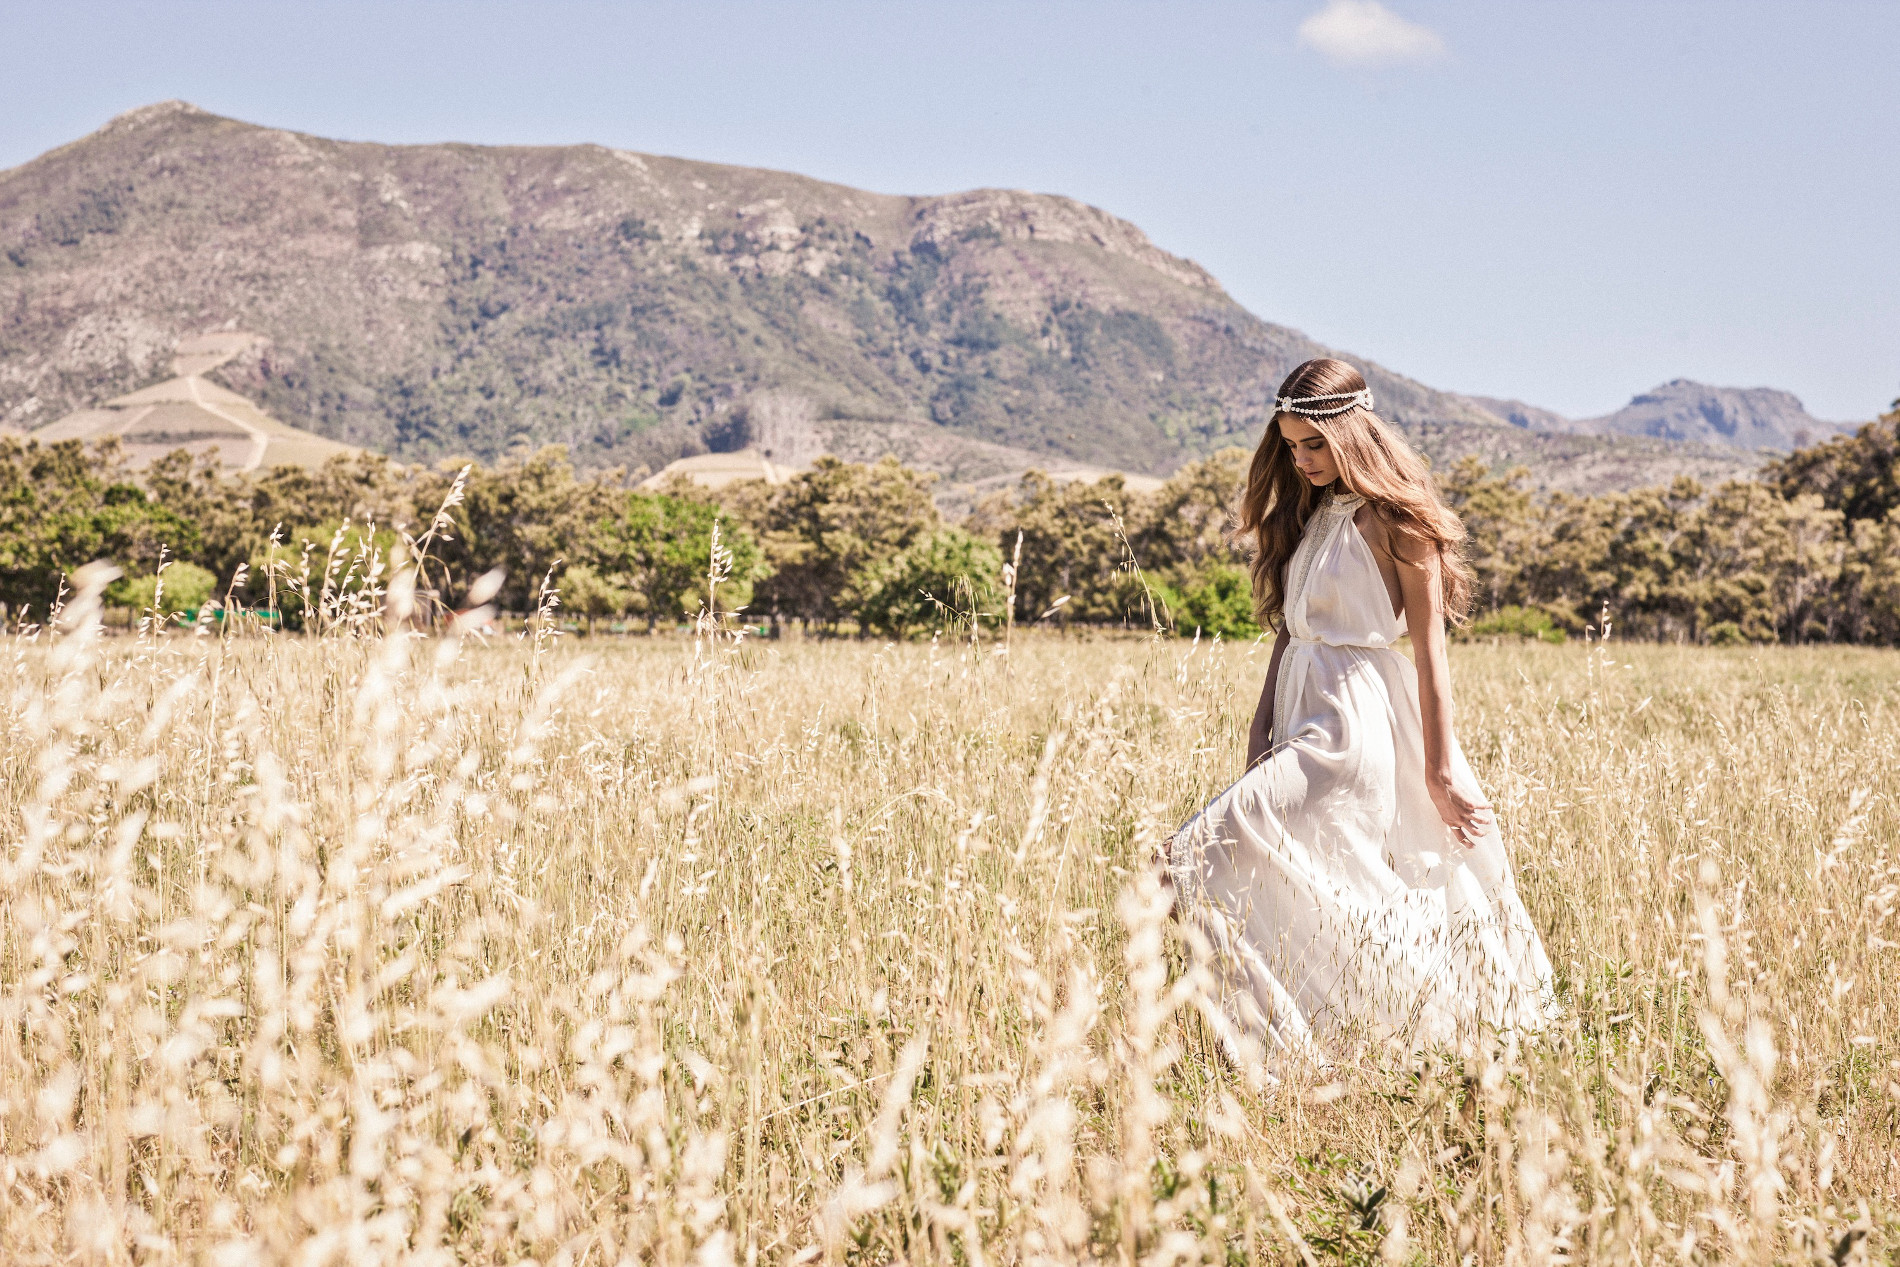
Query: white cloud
point(1366, 33)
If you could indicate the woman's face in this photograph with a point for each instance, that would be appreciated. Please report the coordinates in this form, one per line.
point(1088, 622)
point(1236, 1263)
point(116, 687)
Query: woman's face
point(1311, 454)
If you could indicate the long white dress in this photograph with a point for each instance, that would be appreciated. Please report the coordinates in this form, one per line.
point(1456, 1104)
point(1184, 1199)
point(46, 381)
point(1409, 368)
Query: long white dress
point(1337, 905)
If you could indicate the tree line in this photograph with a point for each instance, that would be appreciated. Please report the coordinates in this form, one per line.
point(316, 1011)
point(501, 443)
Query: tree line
point(1810, 551)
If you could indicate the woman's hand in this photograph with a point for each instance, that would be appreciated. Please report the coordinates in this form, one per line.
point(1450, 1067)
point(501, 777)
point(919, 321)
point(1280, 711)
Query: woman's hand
point(1468, 818)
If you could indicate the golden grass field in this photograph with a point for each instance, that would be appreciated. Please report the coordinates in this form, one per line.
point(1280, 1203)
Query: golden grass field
point(665, 950)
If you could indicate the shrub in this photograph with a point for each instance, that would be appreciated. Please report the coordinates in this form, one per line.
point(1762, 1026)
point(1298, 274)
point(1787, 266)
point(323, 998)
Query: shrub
point(586, 593)
point(1217, 598)
point(653, 556)
point(1516, 622)
point(187, 587)
point(945, 578)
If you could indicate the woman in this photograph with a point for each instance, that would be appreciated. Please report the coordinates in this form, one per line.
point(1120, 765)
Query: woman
point(1353, 883)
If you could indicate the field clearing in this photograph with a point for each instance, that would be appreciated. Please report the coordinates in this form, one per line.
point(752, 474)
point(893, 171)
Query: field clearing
point(397, 949)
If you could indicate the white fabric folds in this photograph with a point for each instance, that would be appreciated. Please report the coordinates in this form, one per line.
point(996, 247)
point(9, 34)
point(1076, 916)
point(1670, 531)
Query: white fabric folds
point(1337, 905)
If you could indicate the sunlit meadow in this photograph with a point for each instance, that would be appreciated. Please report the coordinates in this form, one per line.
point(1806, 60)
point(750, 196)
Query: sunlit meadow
point(385, 947)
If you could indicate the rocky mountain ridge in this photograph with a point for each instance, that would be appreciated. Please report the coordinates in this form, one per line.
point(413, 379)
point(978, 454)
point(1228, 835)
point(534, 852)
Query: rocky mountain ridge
point(1687, 412)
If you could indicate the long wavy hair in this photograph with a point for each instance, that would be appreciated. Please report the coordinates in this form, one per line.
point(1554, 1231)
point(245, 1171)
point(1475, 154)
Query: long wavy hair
point(1374, 461)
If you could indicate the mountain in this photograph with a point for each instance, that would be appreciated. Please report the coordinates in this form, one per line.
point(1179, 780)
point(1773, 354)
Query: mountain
point(1742, 417)
point(1687, 412)
point(1559, 461)
point(440, 300)
point(1529, 417)
point(436, 299)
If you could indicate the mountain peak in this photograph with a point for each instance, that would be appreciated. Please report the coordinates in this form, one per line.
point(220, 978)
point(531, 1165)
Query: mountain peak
point(1741, 417)
point(157, 112)
point(1685, 411)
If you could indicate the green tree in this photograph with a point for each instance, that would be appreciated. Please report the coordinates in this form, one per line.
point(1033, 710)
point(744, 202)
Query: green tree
point(523, 517)
point(1189, 521)
point(1073, 552)
point(588, 594)
point(1858, 475)
point(827, 532)
point(1644, 562)
point(62, 506)
point(943, 579)
point(1763, 563)
point(1866, 602)
point(359, 487)
point(658, 548)
point(218, 505)
point(1501, 524)
point(1580, 553)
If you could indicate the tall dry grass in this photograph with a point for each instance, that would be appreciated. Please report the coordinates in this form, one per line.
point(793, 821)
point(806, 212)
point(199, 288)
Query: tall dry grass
point(389, 948)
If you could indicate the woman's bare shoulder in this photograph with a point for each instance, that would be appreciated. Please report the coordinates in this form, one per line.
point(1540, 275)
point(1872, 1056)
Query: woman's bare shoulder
point(1385, 532)
point(1375, 525)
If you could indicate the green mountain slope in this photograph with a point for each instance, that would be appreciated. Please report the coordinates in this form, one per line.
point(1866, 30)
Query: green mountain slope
point(439, 299)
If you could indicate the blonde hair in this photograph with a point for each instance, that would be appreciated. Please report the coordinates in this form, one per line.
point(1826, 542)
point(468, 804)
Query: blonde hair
point(1374, 461)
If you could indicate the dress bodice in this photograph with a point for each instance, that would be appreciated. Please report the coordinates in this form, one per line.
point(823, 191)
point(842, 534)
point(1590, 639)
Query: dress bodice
point(1334, 593)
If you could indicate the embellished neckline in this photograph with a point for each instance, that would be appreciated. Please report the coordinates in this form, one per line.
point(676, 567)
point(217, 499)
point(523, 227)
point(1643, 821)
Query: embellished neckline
point(1338, 501)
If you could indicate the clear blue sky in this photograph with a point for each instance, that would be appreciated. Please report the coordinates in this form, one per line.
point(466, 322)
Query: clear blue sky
point(1564, 202)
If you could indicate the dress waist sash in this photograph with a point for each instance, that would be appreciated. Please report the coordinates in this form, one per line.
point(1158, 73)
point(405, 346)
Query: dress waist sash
point(1292, 668)
point(1294, 640)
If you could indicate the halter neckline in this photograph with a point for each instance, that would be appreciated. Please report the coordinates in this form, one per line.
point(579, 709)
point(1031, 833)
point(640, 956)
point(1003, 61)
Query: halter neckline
point(1336, 500)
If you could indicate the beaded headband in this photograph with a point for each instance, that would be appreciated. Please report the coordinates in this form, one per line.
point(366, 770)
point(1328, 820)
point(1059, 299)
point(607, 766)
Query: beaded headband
point(1315, 406)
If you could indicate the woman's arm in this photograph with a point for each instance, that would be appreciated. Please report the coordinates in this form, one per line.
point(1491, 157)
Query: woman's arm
point(1260, 733)
point(1420, 589)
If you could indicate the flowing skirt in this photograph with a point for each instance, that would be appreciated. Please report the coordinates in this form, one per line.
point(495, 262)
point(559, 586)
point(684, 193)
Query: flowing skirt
point(1336, 903)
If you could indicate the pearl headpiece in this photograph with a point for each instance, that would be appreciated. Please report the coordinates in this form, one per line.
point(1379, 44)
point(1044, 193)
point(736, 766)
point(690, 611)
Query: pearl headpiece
point(1318, 406)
